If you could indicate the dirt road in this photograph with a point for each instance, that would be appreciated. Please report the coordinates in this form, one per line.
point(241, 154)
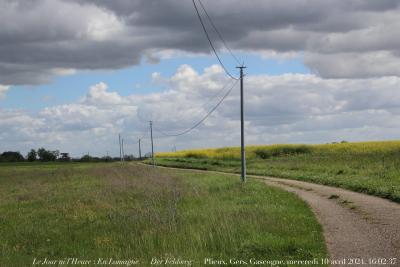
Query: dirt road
point(357, 227)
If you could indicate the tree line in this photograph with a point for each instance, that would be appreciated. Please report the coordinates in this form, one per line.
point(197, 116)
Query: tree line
point(45, 155)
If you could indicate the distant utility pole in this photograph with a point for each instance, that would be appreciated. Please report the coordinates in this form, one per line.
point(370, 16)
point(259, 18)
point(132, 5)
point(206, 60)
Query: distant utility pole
point(140, 150)
point(152, 147)
point(120, 148)
point(123, 151)
point(243, 152)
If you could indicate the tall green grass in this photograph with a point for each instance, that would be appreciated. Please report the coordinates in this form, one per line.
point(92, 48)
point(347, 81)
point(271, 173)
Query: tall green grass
point(368, 167)
point(129, 211)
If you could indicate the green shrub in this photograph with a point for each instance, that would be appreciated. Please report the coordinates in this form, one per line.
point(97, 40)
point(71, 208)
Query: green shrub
point(282, 150)
point(262, 153)
point(194, 155)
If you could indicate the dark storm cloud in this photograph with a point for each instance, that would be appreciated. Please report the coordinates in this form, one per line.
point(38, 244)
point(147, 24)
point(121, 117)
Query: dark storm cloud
point(39, 37)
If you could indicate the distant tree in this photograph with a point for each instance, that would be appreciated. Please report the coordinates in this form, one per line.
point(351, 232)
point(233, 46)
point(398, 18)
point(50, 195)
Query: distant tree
point(86, 158)
point(129, 157)
point(56, 154)
point(41, 153)
point(11, 156)
point(65, 157)
point(107, 159)
point(46, 155)
point(32, 155)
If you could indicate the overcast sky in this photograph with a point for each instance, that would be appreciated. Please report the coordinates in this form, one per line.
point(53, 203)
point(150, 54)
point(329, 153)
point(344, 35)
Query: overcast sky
point(75, 73)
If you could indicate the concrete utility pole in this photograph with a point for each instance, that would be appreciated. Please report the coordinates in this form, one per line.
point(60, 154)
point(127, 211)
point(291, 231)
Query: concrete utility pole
point(123, 151)
point(120, 148)
point(152, 147)
point(243, 152)
point(140, 150)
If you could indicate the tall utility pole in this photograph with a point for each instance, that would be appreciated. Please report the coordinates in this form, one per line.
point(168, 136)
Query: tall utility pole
point(120, 148)
point(243, 152)
point(152, 147)
point(123, 151)
point(140, 150)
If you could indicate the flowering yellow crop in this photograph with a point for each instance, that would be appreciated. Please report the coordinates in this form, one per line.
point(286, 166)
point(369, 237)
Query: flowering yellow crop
point(265, 151)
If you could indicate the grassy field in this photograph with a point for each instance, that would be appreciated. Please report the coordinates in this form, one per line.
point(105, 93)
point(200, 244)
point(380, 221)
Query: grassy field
point(370, 167)
point(135, 212)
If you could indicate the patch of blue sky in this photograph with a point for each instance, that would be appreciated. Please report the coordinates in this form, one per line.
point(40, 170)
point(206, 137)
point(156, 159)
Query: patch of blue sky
point(136, 79)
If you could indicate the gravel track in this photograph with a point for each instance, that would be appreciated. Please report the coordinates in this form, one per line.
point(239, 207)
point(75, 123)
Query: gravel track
point(356, 226)
point(359, 229)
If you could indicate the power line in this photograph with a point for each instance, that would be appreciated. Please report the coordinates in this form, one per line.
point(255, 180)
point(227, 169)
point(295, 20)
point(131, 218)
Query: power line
point(212, 98)
point(215, 95)
point(143, 136)
point(204, 118)
point(203, 106)
point(219, 34)
point(211, 44)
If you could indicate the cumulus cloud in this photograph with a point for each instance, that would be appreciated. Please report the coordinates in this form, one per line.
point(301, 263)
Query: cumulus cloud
point(300, 108)
point(98, 95)
point(3, 90)
point(349, 65)
point(39, 37)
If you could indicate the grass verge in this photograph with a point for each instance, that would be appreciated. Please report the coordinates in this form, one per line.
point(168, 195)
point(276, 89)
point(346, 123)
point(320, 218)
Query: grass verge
point(372, 167)
point(129, 211)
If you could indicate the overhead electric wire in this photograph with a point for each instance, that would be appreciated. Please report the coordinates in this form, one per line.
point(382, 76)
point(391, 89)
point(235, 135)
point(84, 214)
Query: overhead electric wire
point(213, 97)
point(143, 136)
point(211, 44)
point(219, 34)
point(204, 105)
point(137, 142)
point(140, 138)
point(204, 118)
point(220, 62)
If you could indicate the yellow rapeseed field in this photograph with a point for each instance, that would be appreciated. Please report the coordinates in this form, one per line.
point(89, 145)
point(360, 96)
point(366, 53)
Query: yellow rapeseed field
point(278, 149)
